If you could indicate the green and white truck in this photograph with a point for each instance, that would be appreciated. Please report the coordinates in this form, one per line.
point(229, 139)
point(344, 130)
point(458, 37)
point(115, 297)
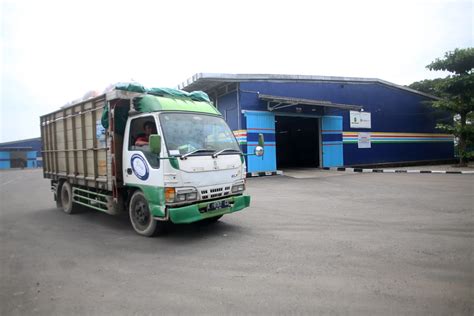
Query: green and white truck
point(163, 155)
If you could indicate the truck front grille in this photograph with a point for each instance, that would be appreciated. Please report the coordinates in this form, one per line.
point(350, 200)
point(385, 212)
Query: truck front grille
point(214, 192)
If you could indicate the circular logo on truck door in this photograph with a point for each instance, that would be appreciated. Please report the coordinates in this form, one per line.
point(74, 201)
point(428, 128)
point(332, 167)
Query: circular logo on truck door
point(139, 167)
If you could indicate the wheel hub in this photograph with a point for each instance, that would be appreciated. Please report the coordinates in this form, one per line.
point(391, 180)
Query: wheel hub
point(141, 214)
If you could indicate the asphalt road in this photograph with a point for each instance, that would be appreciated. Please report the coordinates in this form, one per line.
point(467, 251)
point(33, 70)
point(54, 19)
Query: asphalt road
point(331, 243)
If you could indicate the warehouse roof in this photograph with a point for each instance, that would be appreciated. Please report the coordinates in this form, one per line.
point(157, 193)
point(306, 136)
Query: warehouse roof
point(9, 144)
point(208, 81)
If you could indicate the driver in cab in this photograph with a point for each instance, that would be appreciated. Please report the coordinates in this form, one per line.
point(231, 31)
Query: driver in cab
point(143, 139)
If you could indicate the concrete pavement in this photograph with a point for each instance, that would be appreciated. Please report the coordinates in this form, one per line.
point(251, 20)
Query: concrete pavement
point(340, 243)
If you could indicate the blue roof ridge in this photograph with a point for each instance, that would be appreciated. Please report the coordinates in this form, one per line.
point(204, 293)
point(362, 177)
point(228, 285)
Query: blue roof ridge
point(283, 77)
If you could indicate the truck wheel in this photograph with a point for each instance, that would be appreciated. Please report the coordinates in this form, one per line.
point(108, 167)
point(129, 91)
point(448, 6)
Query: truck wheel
point(68, 205)
point(141, 218)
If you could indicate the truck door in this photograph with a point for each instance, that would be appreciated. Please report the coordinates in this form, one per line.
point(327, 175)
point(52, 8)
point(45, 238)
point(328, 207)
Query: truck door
point(142, 168)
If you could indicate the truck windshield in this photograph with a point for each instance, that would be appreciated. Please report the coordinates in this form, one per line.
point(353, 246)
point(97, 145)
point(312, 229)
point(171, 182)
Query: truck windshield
point(197, 134)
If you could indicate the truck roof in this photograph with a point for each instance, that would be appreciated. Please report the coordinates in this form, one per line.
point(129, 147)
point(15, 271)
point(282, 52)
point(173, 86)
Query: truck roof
point(151, 103)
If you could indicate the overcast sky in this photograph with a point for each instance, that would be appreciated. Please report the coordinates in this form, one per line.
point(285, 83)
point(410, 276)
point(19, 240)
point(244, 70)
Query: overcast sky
point(53, 52)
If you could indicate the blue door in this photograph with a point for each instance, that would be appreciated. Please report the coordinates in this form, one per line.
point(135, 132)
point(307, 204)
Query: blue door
point(4, 160)
point(31, 157)
point(264, 123)
point(332, 141)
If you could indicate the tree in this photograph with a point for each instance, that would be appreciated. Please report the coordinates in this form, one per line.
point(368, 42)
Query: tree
point(456, 93)
point(427, 86)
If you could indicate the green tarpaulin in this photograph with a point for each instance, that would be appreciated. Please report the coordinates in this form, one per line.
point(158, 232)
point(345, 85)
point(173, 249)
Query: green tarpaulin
point(151, 103)
point(132, 87)
point(168, 92)
point(157, 99)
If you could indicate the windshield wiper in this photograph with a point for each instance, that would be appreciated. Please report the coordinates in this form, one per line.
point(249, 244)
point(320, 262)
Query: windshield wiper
point(194, 152)
point(214, 155)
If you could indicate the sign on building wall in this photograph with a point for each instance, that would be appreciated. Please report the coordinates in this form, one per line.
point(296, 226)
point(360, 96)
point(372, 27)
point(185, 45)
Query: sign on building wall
point(360, 119)
point(363, 140)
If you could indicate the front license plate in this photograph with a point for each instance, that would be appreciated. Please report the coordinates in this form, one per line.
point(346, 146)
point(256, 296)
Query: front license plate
point(214, 206)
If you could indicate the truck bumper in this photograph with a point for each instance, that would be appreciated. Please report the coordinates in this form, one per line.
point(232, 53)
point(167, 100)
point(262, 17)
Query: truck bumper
point(197, 212)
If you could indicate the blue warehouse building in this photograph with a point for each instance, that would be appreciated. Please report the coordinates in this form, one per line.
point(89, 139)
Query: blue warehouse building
point(315, 121)
point(21, 154)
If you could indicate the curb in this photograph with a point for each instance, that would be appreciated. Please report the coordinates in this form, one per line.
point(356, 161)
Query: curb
point(395, 170)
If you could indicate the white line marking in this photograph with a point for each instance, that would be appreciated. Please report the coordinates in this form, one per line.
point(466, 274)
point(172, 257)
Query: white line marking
point(7, 182)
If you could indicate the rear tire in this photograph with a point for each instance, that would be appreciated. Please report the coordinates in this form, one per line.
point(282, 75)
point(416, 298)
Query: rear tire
point(141, 218)
point(69, 207)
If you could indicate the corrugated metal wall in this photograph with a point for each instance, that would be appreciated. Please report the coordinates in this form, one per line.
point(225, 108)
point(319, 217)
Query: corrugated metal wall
point(403, 126)
point(28, 151)
point(228, 107)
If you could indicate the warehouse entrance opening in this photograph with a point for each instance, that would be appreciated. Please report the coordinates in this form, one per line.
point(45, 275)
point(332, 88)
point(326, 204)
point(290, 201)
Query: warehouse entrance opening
point(18, 159)
point(297, 142)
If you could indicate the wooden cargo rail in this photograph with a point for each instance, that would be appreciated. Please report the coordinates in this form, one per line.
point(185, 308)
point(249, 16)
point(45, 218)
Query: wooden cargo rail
point(72, 147)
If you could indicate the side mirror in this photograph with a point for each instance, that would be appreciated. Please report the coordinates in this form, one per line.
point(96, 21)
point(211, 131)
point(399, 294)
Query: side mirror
point(259, 151)
point(155, 144)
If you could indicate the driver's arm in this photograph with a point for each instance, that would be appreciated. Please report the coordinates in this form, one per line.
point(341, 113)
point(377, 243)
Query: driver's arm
point(141, 141)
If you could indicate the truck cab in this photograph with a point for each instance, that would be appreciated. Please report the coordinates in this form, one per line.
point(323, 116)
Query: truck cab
point(197, 173)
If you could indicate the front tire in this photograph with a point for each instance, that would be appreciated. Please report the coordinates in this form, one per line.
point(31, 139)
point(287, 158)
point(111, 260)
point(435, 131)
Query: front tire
point(69, 207)
point(141, 218)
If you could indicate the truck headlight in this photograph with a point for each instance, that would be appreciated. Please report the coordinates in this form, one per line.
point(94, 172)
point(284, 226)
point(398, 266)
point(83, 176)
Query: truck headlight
point(191, 196)
point(183, 195)
point(236, 188)
point(181, 198)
